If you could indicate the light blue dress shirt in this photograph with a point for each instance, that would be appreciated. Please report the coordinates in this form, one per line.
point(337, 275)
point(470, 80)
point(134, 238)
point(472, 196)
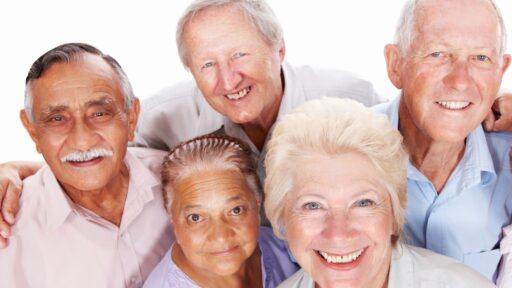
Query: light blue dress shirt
point(464, 221)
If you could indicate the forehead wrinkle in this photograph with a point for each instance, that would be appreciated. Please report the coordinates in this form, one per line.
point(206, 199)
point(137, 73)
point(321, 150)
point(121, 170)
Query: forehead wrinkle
point(53, 109)
point(103, 101)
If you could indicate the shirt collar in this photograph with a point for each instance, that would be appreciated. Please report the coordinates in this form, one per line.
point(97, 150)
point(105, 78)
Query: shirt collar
point(476, 165)
point(141, 190)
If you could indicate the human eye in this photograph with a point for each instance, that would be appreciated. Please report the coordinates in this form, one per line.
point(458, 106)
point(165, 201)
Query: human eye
point(482, 58)
point(194, 218)
point(436, 54)
point(54, 120)
point(207, 65)
point(100, 115)
point(312, 206)
point(239, 55)
point(238, 210)
point(364, 203)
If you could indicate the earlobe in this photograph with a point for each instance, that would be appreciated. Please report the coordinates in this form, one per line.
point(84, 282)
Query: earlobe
point(506, 63)
point(282, 50)
point(29, 126)
point(393, 58)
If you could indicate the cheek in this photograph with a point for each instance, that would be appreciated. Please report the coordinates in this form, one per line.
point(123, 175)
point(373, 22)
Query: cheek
point(189, 239)
point(300, 231)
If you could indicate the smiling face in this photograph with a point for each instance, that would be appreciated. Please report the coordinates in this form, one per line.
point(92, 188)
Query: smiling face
point(338, 221)
point(238, 73)
point(80, 125)
point(452, 71)
point(216, 222)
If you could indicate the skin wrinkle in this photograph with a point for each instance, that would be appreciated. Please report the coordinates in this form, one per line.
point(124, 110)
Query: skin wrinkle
point(227, 215)
point(453, 57)
point(353, 212)
point(246, 62)
point(74, 90)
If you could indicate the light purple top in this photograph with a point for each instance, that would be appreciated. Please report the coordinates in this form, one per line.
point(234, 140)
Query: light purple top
point(56, 243)
point(505, 274)
point(275, 261)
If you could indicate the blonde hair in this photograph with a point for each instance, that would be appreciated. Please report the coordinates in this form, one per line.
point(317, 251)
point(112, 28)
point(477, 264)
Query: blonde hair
point(333, 126)
point(207, 153)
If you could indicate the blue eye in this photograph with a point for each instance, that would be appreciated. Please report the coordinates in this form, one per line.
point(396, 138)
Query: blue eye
point(482, 58)
point(207, 65)
point(436, 54)
point(312, 206)
point(364, 203)
point(239, 55)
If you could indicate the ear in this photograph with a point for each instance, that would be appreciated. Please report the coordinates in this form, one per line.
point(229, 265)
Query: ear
point(393, 61)
point(282, 50)
point(506, 63)
point(29, 126)
point(133, 116)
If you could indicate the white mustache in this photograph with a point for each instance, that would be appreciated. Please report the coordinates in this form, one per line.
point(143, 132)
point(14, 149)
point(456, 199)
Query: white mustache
point(79, 156)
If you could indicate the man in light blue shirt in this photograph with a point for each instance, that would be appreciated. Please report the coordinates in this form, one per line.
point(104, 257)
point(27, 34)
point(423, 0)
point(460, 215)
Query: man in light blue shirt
point(448, 61)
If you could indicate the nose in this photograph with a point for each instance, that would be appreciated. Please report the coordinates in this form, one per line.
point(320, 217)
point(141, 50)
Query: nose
point(458, 77)
point(82, 137)
point(229, 78)
point(339, 226)
point(220, 230)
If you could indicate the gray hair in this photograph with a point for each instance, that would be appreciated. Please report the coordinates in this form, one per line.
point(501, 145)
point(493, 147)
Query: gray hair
point(257, 11)
point(208, 153)
point(68, 53)
point(405, 28)
point(344, 126)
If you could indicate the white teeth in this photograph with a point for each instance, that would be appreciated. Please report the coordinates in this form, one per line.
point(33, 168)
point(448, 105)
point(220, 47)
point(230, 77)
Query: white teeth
point(240, 94)
point(341, 259)
point(79, 156)
point(453, 105)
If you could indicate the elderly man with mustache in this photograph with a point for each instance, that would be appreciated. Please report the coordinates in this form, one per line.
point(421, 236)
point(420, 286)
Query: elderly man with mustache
point(85, 220)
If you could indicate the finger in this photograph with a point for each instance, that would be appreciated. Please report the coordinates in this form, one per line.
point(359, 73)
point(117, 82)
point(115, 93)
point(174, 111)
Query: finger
point(3, 243)
point(489, 121)
point(3, 189)
point(5, 232)
point(503, 124)
point(10, 205)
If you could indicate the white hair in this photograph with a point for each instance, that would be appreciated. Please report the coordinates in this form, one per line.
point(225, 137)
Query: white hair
point(257, 11)
point(405, 29)
point(68, 53)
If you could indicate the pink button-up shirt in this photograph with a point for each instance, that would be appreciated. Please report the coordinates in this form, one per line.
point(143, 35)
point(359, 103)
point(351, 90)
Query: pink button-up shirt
point(56, 243)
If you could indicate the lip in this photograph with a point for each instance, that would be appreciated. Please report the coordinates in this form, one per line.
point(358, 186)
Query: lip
point(224, 252)
point(248, 93)
point(89, 163)
point(342, 266)
point(455, 106)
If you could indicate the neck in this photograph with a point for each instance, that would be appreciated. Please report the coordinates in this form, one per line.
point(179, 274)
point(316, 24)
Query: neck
point(258, 129)
point(249, 275)
point(435, 159)
point(107, 202)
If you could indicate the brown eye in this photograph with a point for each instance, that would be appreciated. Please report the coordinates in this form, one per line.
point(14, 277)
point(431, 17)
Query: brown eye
point(194, 218)
point(237, 210)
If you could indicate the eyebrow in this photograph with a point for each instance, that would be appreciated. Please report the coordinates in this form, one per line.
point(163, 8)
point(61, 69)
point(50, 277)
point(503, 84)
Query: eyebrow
point(52, 110)
point(103, 101)
point(231, 199)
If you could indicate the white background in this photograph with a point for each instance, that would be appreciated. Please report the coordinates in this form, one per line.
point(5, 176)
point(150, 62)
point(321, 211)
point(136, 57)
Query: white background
point(338, 34)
